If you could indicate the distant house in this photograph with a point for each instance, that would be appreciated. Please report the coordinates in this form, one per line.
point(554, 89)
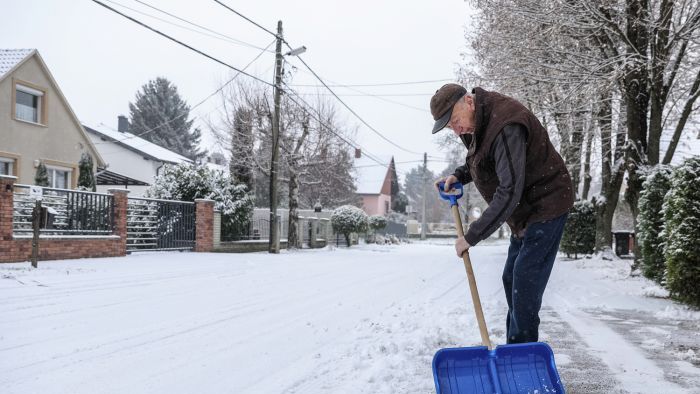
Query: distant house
point(37, 125)
point(373, 181)
point(132, 162)
point(216, 161)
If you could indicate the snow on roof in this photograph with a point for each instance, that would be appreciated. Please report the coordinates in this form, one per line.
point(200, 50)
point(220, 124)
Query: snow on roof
point(137, 143)
point(369, 175)
point(9, 58)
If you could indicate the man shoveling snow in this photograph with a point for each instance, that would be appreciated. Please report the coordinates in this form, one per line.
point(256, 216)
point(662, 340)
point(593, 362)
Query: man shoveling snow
point(523, 178)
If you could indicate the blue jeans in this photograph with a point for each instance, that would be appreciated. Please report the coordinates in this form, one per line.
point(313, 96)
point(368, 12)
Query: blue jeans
point(525, 276)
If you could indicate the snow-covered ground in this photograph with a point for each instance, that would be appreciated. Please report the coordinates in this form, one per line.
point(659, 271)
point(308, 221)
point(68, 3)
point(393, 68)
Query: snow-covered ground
point(361, 320)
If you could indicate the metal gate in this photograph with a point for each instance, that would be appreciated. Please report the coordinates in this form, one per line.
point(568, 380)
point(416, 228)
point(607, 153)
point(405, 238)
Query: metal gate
point(153, 224)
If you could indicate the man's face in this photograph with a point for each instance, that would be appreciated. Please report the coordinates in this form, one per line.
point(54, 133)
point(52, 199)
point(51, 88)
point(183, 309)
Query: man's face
point(463, 119)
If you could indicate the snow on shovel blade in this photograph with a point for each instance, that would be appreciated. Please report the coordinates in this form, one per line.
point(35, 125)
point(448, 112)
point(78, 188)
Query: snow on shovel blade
point(509, 369)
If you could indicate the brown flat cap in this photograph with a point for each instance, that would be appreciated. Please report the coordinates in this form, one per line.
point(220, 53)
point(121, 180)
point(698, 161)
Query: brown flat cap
point(443, 102)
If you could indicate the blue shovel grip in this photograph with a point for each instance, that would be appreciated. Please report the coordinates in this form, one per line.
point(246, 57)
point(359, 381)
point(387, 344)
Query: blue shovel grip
point(455, 192)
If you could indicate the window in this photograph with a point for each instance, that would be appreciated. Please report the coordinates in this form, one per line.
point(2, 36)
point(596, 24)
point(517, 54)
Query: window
point(59, 178)
point(28, 104)
point(7, 166)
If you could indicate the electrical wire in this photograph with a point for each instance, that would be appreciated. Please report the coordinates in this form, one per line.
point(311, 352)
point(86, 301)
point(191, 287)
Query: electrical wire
point(181, 43)
point(218, 36)
point(219, 89)
point(337, 85)
point(322, 82)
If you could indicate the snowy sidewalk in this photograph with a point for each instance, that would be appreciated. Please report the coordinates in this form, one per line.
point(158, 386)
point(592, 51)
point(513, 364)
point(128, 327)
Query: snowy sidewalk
point(365, 319)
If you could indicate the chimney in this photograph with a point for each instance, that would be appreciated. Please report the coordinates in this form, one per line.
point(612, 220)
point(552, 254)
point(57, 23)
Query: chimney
point(358, 153)
point(123, 125)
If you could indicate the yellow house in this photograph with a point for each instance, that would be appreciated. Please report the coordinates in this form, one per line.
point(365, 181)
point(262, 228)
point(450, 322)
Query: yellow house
point(36, 123)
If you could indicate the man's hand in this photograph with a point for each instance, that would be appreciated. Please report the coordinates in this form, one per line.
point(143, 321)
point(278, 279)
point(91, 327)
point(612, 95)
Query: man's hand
point(448, 181)
point(461, 246)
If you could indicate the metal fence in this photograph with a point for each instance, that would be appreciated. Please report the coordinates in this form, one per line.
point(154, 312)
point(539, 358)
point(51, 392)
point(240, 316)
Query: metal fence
point(153, 224)
point(64, 212)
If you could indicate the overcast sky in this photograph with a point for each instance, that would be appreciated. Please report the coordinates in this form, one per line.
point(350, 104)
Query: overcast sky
point(100, 59)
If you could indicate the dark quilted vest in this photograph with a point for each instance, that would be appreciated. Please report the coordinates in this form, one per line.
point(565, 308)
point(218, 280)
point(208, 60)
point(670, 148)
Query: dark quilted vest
point(548, 192)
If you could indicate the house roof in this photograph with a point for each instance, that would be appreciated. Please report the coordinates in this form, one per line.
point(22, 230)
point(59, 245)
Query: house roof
point(370, 175)
point(106, 177)
point(137, 144)
point(11, 58)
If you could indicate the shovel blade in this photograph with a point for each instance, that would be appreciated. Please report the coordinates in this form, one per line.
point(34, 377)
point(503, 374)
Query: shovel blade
point(509, 369)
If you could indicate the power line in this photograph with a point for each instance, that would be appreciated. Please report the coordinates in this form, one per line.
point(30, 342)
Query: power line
point(218, 36)
point(181, 43)
point(352, 111)
point(337, 85)
point(196, 105)
point(245, 17)
point(322, 82)
point(317, 116)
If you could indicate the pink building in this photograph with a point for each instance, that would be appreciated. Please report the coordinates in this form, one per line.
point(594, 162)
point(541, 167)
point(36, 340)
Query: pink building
point(373, 182)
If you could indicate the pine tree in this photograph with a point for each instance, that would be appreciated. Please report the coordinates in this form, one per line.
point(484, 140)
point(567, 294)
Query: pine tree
point(579, 231)
point(86, 179)
point(161, 116)
point(650, 222)
point(682, 232)
point(42, 176)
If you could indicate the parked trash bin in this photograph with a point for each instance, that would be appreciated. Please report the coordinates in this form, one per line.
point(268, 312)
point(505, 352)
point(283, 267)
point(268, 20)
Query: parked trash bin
point(624, 242)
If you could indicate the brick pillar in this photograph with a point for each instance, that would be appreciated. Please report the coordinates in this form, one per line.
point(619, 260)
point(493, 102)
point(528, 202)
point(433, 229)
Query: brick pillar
point(6, 201)
point(204, 221)
point(121, 199)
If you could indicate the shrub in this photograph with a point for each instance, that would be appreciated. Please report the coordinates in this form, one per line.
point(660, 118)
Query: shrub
point(376, 222)
point(579, 231)
point(349, 219)
point(186, 182)
point(650, 222)
point(681, 210)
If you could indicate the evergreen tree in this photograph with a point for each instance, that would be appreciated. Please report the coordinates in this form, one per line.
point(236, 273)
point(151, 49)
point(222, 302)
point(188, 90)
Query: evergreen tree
point(650, 222)
point(86, 179)
point(42, 176)
point(161, 116)
point(187, 182)
point(682, 232)
point(579, 231)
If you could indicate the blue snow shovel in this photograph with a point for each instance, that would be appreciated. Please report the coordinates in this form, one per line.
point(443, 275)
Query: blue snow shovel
point(508, 369)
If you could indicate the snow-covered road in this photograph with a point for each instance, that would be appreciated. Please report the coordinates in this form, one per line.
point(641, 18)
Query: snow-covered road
point(365, 319)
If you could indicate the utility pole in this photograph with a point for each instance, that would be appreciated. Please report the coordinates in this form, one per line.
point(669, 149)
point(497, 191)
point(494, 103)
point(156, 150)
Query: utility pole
point(423, 224)
point(274, 231)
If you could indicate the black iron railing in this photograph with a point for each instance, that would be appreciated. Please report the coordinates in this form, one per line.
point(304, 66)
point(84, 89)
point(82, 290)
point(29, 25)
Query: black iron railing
point(153, 224)
point(64, 212)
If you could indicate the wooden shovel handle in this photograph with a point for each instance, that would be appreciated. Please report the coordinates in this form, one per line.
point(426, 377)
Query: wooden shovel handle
point(472, 283)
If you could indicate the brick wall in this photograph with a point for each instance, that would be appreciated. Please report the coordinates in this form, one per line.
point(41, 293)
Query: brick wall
point(204, 222)
point(16, 248)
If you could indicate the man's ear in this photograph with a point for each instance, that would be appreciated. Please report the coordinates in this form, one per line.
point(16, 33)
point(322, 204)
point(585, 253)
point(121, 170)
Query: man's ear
point(470, 101)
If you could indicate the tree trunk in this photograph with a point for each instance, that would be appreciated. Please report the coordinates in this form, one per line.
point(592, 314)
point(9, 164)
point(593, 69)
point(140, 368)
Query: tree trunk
point(612, 175)
point(293, 230)
point(636, 99)
point(587, 167)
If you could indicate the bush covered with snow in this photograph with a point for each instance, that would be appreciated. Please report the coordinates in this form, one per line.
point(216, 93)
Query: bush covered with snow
point(186, 182)
point(682, 232)
point(657, 181)
point(579, 232)
point(349, 219)
point(376, 222)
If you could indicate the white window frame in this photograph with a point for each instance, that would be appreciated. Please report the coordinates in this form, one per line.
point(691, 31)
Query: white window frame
point(51, 172)
point(39, 102)
point(10, 164)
